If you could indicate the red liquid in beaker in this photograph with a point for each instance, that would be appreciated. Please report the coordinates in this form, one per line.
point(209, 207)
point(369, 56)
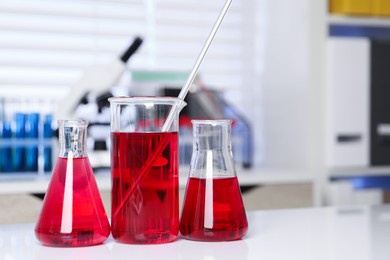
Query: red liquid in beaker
point(89, 221)
point(227, 221)
point(151, 212)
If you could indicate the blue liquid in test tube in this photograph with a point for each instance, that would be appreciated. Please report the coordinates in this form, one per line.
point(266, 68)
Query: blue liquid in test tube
point(6, 150)
point(18, 158)
point(47, 150)
point(32, 125)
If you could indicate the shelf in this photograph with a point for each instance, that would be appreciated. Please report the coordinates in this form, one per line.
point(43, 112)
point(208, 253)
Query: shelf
point(359, 171)
point(18, 184)
point(272, 176)
point(351, 26)
point(27, 184)
point(358, 21)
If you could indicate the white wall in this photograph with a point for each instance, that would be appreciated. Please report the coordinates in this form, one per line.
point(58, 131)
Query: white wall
point(292, 82)
point(285, 83)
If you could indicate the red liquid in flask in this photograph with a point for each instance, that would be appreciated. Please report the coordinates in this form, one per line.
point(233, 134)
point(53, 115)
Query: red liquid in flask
point(89, 220)
point(150, 214)
point(227, 221)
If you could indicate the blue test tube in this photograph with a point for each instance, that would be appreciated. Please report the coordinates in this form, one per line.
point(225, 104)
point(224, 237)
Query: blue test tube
point(1, 133)
point(48, 134)
point(6, 154)
point(18, 157)
point(32, 129)
point(1, 148)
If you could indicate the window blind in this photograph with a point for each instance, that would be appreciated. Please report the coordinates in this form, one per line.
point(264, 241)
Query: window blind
point(46, 44)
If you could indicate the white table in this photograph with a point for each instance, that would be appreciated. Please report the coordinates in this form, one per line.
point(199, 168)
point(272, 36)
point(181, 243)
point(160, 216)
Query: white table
point(358, 232)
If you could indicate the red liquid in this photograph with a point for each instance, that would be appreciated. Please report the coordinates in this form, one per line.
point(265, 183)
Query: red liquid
point(89, 222)
point(150, 214)
point(228, 221)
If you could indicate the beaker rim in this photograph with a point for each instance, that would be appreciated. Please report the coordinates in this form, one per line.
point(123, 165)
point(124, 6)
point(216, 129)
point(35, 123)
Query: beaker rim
point(212, 121)
point(146, 99)
point(73, 122)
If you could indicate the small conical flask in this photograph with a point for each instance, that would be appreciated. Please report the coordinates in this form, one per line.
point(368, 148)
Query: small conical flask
point(72, 213)
point(213, 209)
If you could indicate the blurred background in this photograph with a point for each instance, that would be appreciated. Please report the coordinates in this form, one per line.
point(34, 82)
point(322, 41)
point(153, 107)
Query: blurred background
point(305, 83)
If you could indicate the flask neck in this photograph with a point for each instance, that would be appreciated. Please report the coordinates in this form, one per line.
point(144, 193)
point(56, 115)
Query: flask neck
point(72, 137)
point(212, 135)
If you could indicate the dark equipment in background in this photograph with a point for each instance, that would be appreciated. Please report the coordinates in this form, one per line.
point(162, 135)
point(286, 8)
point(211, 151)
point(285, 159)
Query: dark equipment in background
point(209, 104)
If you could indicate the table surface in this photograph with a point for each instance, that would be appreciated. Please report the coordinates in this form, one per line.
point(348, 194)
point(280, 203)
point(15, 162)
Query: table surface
point(352, 232)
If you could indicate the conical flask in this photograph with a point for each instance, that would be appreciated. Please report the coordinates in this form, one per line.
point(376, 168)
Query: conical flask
point(72, 213)
point(213, 209)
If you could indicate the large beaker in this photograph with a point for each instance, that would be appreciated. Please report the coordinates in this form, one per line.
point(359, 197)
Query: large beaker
point(72, 213)
point(144, 169)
